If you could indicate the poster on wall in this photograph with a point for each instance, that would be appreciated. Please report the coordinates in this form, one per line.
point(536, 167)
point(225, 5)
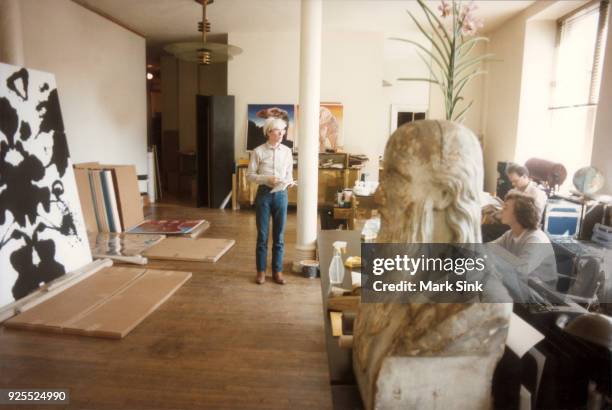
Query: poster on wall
point(402, 114)
point(42, 233)
point(330, 126)
point(331, 116)
point(257, 115)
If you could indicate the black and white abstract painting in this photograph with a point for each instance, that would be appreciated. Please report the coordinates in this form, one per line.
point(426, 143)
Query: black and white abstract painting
point(42, 233)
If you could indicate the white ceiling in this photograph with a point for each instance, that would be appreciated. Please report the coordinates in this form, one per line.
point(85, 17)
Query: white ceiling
point(166, 21)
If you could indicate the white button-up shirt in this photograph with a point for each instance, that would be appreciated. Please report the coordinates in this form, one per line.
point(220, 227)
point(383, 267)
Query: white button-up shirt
point(269, 161)
point(537, 194)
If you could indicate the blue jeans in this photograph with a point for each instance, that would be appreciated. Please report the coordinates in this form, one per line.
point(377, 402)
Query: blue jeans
point(267, 204)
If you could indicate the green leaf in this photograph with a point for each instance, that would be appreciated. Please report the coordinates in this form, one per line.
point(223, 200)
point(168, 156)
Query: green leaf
point(472, 61)
point(455, 101)
point(459, 117)
point(443, 67)
point(434, 27)
point(443, 86)
point(429, 80)
point(471, 43)
point(433, 43)
point(438, 22)
point(461, 83)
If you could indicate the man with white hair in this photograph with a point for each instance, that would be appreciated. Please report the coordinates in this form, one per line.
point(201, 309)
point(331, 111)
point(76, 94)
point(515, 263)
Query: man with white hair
point(271, 167)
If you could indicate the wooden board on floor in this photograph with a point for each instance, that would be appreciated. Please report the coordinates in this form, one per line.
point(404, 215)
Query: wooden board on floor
point(198, 231)
point(126, 309)
point(187, 249)
point(75, 301)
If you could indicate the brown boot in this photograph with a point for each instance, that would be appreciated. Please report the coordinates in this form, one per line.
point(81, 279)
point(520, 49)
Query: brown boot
point(278, 278)
point(260, 279)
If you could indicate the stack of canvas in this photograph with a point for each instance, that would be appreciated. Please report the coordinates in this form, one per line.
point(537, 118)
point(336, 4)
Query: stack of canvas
point(109, 196)
point(183, 227)
point(121, 247)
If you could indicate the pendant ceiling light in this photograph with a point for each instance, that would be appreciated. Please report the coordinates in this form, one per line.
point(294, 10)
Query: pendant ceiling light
point(203, 52)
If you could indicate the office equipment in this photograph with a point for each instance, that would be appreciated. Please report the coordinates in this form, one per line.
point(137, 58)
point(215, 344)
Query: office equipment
point(562, 218)
point(602, 235)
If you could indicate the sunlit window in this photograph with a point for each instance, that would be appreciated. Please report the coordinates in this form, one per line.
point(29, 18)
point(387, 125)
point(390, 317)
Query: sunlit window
point(582, 37)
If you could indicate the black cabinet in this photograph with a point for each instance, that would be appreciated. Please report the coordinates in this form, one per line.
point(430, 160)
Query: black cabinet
point(214, 149)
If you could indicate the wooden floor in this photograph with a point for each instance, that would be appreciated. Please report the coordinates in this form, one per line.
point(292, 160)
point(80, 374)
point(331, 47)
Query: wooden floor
point(221, 342)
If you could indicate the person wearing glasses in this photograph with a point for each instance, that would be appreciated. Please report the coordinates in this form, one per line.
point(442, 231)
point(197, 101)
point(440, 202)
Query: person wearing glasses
point(271, 167)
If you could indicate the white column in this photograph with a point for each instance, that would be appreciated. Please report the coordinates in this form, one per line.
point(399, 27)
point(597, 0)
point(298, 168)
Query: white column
point(308, 143)
point(11, 34)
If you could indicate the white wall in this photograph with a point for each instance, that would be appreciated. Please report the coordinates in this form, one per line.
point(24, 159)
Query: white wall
point(267, 71)
point(503, 88)
point(100, 73)
point(533, 133)
point(351, 73)
point(401, 61)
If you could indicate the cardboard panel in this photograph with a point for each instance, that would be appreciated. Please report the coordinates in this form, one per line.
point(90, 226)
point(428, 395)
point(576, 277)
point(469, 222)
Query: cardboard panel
point(85, 197)
point(126, 309)
point(87, 165)
point(128, 196)
point(75, 301)
point(199, 230)
point(188, 249)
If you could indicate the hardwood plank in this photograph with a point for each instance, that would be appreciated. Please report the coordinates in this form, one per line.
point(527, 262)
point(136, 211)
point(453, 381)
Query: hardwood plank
point(219, 330)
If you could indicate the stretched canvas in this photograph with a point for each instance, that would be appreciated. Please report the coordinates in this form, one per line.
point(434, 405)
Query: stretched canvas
point(330, 126)
point(167, 226)
point(42, 233)
point(257, 115)
point(107, 244)
point(331, 136)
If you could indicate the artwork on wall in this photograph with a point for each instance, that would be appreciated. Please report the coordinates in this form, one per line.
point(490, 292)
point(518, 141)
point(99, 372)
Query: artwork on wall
point(42, 233)
point(401, 114)
point(330, 126)
point(331, 136)
point(257, 115)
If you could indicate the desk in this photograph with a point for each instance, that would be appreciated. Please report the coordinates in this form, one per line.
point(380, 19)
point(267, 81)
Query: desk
point(345, 393)
point(330, 181)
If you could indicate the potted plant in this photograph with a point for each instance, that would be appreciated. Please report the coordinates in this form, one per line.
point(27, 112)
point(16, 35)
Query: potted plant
point(449, 61)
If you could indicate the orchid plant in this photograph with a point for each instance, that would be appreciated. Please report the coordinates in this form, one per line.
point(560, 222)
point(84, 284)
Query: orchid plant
point(449, 63)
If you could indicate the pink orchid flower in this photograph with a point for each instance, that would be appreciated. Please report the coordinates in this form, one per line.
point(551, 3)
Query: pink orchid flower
point(444, 8)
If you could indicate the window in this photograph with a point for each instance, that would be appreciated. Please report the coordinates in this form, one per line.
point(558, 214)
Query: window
point(581, 44)
point(582, 37)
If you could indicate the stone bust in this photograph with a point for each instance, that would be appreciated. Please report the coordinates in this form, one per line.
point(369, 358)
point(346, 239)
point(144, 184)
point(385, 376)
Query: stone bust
point(429, 193)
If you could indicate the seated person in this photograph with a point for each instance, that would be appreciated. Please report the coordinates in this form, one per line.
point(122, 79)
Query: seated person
point(519, 177)
point(526, 241)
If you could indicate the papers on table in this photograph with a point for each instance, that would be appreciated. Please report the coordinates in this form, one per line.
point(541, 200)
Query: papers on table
point(522, 336)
